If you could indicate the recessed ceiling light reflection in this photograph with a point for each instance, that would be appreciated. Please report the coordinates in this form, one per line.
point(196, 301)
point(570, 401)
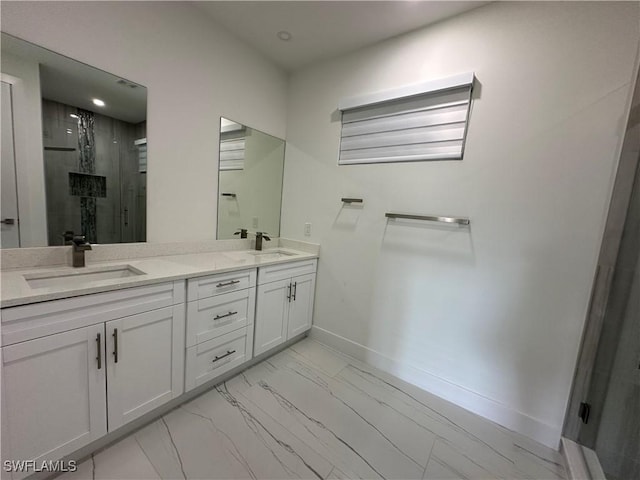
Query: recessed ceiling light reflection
point(98, 102)
point(73, 115)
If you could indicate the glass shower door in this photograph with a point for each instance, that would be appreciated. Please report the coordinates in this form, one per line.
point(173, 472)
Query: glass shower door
point(613, 426)
point(604, 411)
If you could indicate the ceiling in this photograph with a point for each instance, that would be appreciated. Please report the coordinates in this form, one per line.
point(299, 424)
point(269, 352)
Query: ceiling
point(324, 29)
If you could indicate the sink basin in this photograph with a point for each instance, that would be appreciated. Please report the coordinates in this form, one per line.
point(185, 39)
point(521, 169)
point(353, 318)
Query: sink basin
point(80, 277)
point(274, 254)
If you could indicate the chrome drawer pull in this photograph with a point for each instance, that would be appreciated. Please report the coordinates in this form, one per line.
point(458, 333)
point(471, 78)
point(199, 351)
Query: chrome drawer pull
point(99, 357)
point(289, 293)
point(220, 357)
point(226, 284)
point(115, 345)
point(295, 290)
point(218, 317)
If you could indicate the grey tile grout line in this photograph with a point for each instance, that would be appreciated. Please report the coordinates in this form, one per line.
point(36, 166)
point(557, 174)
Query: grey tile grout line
point(333, 467)
point(310, 364)
point(285, 428)
point(308, 361)
point(341, 370)
point(429, 456)
point(514, 436)
point(344, 356)
point(135, 437)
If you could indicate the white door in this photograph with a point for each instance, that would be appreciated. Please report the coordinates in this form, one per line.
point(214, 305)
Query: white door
point(53, 395)
point(301, 308)
point(272, 309)
point(9, 228)
point(145, 362)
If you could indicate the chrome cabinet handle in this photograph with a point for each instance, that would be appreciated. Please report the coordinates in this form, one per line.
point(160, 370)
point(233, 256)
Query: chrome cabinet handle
point(99, 357)
point(226, 284)
point(8, 221)
point(295, 289)
point(115, 345)
point(220, 357)
point(218, 317)
point(289, 293)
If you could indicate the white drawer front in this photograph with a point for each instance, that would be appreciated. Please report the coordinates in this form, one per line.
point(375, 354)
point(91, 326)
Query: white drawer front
point(211, 359)
point(282, 271)
point(27, 322)
point(215, 316)
point(204, 287)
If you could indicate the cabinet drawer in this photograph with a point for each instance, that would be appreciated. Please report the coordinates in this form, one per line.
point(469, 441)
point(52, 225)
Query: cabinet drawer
point(204, 287)
point(283, 271)
point(27, 322)
point(211, 359)
point(215, 316)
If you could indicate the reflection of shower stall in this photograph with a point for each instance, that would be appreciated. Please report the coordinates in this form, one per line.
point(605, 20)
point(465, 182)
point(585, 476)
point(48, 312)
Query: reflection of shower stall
point(95, 175)
point(604, 413)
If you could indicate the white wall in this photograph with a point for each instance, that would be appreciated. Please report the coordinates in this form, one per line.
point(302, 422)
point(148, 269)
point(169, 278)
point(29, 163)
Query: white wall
point(491, 316)
point(24, 77)
point(195, 72)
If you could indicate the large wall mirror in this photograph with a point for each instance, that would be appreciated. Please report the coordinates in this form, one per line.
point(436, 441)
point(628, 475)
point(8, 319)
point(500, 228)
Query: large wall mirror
point(249, 180)
point(74, 150)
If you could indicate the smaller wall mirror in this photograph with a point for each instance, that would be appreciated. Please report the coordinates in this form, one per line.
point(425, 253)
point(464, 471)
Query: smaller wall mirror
point(249, 180)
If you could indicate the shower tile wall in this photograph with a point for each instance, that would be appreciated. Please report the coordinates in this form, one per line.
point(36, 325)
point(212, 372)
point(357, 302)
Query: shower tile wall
point(59, 131)
point(117, 215)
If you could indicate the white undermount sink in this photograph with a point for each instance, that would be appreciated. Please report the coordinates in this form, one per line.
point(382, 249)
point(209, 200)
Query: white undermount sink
point(272, 254)
point(81, 276)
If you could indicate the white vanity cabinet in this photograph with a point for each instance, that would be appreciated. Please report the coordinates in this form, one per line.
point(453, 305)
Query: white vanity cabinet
point(284, 305)
point(145, 362)
point(220, 319)
point(53, 395)
point(75, 369)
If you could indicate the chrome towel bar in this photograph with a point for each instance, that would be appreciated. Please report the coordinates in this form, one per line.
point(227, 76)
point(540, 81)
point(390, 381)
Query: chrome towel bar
point(430, 218)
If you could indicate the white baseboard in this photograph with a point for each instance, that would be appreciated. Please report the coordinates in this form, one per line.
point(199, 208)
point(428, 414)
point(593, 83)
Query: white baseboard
point(502, 414)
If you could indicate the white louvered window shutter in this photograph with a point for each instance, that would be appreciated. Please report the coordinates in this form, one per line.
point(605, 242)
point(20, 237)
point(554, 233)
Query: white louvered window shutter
point(141, 145)
point(232, 146)
point(232, 154)
point(427, 121)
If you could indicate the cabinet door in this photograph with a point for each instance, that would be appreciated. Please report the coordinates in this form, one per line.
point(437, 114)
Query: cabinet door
point(272, 308)
point(301, 307)
point(53, 395)
point(145, 362)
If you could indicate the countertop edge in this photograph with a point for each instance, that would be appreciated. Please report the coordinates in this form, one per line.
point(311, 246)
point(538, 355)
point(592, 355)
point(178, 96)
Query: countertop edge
point(139, 282)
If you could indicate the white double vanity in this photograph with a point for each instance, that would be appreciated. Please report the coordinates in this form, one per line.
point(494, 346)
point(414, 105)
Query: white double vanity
point(82, 359)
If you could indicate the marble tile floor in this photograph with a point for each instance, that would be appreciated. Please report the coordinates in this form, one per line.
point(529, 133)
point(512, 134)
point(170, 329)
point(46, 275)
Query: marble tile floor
point(309, 412)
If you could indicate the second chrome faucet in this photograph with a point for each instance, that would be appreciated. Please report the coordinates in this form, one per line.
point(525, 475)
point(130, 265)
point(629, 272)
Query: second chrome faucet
point(259, 237)
point(79, 245)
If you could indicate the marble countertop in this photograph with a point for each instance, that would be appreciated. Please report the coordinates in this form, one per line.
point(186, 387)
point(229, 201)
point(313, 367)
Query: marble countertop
point(15, 289)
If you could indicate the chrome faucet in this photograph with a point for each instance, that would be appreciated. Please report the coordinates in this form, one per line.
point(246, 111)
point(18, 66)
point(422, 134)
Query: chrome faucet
point(259, 237)
point(79, 245)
